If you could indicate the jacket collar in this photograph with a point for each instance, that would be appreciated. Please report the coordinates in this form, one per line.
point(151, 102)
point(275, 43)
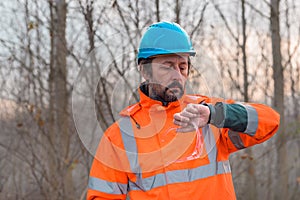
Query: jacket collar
point(147, 102)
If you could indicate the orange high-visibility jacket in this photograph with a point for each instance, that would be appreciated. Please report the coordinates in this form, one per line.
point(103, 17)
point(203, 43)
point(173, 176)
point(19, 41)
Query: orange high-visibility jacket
point(144, 157)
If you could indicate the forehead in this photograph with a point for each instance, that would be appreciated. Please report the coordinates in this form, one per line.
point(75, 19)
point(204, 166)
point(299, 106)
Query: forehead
point(171, 58)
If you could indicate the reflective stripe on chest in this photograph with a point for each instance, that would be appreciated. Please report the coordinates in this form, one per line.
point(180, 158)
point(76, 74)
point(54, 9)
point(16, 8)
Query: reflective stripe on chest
point(174, 176)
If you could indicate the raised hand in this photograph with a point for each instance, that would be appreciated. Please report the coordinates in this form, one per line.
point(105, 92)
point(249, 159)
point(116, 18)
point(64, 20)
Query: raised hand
point(192, 117)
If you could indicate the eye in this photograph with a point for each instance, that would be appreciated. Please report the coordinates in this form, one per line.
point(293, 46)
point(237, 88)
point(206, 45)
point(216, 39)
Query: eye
point(183, 67)
point(165, 67)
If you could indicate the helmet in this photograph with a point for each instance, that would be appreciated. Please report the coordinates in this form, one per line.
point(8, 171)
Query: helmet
point(164, 38)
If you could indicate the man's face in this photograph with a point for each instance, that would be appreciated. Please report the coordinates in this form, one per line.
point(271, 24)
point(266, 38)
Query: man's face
point(169, 75)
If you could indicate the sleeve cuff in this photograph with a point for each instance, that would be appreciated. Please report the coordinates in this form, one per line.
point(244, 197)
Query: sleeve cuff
point(217, 114)
point(233, 116)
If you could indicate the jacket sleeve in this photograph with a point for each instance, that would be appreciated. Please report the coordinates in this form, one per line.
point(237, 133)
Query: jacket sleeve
point(107, 180)
point(244, 125)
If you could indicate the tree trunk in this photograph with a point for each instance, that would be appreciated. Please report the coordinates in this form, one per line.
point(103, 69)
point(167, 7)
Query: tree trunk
point(157, 10)
point(59, 134)
point(250, 173)
point(278, 78)
point(177, 11)
point(244, 24)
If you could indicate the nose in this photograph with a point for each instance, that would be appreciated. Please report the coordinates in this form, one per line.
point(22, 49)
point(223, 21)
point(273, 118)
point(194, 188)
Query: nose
point(175, 73)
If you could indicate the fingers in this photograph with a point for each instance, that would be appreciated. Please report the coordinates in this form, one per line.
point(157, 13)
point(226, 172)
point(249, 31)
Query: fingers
point(183, 116)
point(183, 119)
point(179, 123)
point(190, 118)
point(188, 112)
point(185, 123)
point(192, 108)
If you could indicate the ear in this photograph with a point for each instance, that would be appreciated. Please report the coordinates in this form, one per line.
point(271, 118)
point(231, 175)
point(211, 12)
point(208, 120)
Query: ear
point(144, 73)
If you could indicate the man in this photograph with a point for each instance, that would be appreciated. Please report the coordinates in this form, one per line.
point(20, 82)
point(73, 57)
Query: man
point(171, 145)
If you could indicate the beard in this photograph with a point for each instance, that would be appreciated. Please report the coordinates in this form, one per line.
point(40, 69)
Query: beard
point(172, 92)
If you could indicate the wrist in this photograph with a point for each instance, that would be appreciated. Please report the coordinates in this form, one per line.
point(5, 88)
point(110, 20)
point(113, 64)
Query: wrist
point(211, 112)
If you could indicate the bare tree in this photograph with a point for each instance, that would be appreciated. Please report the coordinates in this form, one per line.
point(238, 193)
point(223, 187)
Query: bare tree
point(157, 10)
point(279, 97)
point(59, 101)
point(177, 10)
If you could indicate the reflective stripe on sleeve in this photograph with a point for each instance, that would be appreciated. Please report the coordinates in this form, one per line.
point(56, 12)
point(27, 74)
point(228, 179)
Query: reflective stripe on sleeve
point(106, 186)
point(236, 139)
point(252, 120)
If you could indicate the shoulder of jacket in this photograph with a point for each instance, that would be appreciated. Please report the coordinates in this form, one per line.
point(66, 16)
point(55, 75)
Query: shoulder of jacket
point(131, 110)
point(195, 98)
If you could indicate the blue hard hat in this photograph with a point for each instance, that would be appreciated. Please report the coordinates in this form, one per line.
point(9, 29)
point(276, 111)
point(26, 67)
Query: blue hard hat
point(164, 38)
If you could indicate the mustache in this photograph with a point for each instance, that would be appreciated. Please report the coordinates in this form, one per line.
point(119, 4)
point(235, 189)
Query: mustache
point(173, 85)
